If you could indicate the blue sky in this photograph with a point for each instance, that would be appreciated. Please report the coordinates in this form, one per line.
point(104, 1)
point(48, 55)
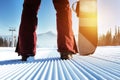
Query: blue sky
point(10, 14)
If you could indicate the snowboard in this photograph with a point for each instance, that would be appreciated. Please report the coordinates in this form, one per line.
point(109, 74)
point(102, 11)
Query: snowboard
point(87, 33)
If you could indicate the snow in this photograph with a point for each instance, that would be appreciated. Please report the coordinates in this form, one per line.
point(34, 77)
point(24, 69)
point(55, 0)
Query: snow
point(104, 64)
point(8, 53)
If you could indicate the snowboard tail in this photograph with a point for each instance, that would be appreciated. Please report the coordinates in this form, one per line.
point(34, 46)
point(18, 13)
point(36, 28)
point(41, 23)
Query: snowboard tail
point(88, 35)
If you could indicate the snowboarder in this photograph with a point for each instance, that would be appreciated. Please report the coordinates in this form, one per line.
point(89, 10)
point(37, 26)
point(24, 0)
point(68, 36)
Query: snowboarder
point(26, 45)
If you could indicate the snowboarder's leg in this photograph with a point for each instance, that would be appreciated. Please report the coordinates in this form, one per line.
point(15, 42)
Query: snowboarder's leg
point(66, 41)
point(27, 32)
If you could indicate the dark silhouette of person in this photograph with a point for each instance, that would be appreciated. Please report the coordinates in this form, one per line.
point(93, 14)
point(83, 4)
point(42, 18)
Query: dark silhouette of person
point(26, 45)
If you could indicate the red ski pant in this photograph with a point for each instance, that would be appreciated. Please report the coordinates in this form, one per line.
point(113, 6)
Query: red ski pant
point(27, 32)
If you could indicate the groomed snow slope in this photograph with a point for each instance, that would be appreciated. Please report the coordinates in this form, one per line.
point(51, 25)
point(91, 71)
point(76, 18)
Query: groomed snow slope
point(104, 64)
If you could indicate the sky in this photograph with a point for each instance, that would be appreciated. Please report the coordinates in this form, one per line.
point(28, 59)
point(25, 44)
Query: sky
point(108, 15)
point(10, 16)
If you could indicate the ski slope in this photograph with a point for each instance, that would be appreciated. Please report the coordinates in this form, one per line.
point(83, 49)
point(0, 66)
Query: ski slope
point(104, 64)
